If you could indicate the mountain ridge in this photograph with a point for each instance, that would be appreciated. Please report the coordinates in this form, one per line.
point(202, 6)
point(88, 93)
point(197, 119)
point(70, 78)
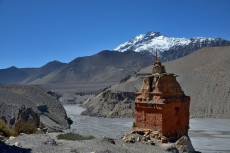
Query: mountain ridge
point(169, 48)
point(14, 75)
point(105, 68)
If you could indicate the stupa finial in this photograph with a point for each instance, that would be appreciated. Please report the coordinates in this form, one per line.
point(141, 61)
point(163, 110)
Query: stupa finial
point(156, 54)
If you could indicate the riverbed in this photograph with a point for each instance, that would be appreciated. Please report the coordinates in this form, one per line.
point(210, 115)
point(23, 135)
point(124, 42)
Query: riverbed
point(207, 135)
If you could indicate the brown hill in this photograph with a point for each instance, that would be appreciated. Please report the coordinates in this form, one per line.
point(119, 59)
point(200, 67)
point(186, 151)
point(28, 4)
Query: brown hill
point(203, 75)
point(14, 75)
point(94, 72)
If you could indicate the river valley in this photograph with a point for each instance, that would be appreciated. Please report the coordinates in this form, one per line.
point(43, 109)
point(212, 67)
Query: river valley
point(207, 135)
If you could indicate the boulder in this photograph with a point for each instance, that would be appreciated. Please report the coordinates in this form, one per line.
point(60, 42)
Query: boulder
point(184, 145)
point(23, 103)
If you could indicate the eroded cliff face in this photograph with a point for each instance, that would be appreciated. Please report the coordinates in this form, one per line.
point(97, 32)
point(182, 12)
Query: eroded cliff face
point(12, 114)
point(110, 104)
point(22, 103)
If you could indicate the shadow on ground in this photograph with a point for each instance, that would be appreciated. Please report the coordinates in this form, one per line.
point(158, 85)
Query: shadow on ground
point(4, 148)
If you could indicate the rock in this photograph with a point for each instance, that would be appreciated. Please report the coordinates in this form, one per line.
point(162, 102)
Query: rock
point(147, 137)
point(129, 139)
point(126, 135)
point(50, 141)
point(18, 144)
point(11, 138)
point(140, 132)
point(109, 140)
point(24, 102)
point(2, 137)
point(164, 139)
point(172, 149)
point(147, 133)
point(151, 142)
point(132, 132)
point(27, 113)
point(184, 145)
point(144, 139)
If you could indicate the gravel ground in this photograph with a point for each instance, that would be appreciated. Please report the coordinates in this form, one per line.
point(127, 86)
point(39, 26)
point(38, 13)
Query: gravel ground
point(48, 143)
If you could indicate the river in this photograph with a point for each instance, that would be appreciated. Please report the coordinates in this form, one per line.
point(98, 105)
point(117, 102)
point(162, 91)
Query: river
point(207, 135)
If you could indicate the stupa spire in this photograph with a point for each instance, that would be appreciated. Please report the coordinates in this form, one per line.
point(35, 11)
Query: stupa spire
point(156, 54)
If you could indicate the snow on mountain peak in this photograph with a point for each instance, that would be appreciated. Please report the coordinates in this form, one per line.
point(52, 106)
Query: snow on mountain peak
point(152, 40)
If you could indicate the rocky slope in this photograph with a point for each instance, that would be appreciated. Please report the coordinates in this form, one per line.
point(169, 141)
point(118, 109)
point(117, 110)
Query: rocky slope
point(20, 102)
point(169, 47)
point(203, 75)
point(108, 104)
point(95, 72)
point(72, 98)
point(14, 75)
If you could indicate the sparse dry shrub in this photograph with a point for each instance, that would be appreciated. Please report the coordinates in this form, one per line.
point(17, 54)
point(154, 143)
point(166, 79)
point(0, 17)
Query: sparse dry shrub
point(4, 130)
point(74, 150)
point(73, 137)
point(27, 127)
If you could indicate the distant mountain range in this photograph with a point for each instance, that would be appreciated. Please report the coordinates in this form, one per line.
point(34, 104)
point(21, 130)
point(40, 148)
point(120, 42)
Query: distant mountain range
point(82, 74)
point(169, 47)
point(14, 75)
point(106, 68)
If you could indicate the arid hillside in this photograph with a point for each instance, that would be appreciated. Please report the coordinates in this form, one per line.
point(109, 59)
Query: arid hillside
point(92, 73)
point(203, 75)
point(14, 75)
point(23, 102)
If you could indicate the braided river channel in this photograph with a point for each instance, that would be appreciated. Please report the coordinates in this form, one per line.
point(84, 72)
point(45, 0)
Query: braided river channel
point(207, 135)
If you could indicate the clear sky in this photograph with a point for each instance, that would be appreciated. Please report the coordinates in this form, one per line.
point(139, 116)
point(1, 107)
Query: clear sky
point(34, 32)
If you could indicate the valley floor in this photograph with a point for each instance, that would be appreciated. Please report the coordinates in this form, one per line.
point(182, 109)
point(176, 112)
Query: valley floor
point(207, 135)
point(48, 143)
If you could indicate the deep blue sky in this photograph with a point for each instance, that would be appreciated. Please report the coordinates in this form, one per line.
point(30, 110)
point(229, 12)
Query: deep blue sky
point(34, 32)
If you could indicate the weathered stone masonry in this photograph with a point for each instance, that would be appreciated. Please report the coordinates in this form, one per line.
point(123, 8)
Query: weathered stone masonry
point(161, 106)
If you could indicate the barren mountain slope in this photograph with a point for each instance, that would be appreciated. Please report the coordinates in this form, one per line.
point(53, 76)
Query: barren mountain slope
point(17, 98)
point(14, 75)
point(203, 75)
point(41, 72)
point(95, 72)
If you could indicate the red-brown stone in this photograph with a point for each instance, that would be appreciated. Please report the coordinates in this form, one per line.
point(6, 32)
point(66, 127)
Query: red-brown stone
point(40, 125)
point(161, 106)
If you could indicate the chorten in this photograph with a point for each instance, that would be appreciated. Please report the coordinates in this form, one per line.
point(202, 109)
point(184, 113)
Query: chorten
point(161, 106)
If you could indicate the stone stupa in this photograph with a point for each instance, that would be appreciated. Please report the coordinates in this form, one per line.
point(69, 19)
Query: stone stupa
point(161, 107)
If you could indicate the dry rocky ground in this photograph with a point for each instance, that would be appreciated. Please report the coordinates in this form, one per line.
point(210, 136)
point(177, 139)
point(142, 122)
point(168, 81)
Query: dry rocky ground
point(48, 143)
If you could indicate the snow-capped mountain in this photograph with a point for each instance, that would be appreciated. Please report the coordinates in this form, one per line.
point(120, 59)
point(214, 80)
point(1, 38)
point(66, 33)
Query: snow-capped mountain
point(169, 45)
